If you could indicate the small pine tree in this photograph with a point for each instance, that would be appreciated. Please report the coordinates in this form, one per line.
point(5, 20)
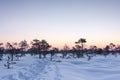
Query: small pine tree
point(8, 63)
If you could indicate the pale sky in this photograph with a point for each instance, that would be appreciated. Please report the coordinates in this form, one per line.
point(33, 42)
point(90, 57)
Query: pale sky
point(61, 21)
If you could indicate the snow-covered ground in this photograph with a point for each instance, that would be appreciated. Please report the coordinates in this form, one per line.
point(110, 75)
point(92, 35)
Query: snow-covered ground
point(33, 68)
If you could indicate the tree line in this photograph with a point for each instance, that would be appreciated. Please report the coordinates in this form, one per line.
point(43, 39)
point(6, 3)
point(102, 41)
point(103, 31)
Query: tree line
point(43, 48)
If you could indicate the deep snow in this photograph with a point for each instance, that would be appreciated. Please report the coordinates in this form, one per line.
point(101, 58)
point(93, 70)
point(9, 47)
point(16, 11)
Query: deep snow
point(33, 68)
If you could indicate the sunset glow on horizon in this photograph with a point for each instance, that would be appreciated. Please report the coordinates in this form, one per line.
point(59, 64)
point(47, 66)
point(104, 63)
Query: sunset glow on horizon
point(60, 22)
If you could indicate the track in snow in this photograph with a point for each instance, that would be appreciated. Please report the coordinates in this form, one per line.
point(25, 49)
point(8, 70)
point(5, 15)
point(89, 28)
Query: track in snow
point(39, 70)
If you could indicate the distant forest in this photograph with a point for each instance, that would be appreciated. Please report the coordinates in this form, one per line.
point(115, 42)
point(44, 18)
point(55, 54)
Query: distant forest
point(43, 48)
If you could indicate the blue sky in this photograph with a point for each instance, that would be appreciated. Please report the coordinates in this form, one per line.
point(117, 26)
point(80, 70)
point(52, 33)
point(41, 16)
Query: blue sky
point(60, 21)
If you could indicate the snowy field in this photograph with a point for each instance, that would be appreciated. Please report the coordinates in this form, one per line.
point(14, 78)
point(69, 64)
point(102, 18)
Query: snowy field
point(33, 68)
